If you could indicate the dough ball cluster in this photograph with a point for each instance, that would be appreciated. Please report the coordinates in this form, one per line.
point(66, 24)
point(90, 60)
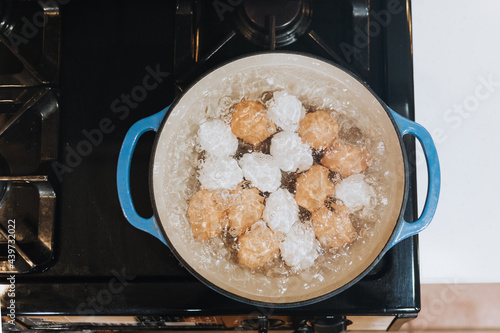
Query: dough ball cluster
point(242, 193)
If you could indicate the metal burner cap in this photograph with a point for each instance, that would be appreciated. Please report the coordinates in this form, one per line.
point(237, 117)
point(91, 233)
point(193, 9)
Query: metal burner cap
point(291, 20)
point(285, 11)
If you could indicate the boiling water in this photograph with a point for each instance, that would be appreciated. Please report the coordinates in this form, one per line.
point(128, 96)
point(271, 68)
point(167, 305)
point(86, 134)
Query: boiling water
point(218, 255)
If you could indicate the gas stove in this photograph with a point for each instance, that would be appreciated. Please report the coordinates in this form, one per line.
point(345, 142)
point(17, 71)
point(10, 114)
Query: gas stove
point(78, 263)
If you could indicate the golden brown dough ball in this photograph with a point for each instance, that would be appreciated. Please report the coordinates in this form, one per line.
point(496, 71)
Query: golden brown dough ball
point(258, 246)
point(206, 214)
point(246, 208)
point(319, 129)
point(313, 187)
point(250, 122)
point(333, 229)
point(346, 159)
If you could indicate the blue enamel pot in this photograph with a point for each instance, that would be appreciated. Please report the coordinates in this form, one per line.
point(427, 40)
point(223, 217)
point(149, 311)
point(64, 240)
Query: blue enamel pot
point(317, 83)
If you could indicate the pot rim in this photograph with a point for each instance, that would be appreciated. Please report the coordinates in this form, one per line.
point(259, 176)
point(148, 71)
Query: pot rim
point(244, 299)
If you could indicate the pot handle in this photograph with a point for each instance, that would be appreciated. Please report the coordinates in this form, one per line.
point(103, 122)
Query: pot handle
point(150, 123)
point(407, 229)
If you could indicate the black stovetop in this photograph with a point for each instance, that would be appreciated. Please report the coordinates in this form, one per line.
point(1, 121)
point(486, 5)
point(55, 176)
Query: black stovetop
point(107, 49)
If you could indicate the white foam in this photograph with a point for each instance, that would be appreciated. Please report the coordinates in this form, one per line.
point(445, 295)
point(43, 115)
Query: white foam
point(286, 111)
point(217, 139)
point(290, 153)
point(355, 193)
point(281, 211)
point(219, 173)
point(300, 247)
point(261, 170)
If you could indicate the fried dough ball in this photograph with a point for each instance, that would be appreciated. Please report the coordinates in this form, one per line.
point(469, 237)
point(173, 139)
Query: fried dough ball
point(220, 173)
point(346, 159)
point(206, 214)
point(281, 211)
point(250, 122)
point(247, 206)
point(356, 193)
point(258, 246)
point(319, 129)
point(290, 153)
point(300, 247)
point(333, 229)
point(262, 170)
point(286, 111)
point(314, 187)
point(216, 138)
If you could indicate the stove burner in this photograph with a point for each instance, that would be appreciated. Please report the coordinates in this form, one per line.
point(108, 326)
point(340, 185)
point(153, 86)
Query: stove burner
point(284, 11)
point(273, 22)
